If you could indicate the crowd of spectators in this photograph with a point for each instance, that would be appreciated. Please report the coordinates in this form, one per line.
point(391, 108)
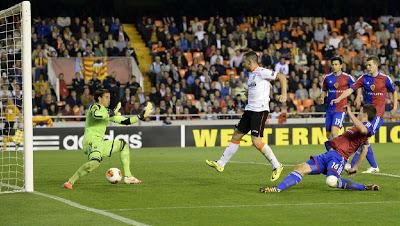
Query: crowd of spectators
point(62, 37)
point(198, 62)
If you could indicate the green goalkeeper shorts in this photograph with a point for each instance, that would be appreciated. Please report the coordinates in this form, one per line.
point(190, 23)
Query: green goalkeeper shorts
point(100, 149)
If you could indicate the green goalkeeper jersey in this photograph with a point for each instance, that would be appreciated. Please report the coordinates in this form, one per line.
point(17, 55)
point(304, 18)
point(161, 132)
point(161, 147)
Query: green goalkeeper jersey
point(97, 120)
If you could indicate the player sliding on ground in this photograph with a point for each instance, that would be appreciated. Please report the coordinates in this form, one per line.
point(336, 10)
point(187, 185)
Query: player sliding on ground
point(255, 114)
point(332, 162)
point(98, 116)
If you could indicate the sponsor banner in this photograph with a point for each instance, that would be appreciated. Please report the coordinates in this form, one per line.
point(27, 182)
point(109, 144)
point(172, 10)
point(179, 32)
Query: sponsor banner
point(71, 138)
point(220, 135)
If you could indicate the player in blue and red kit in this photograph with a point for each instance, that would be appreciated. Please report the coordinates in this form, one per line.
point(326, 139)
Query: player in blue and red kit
point(376, 86)
point(333, 86)
point(332, 162)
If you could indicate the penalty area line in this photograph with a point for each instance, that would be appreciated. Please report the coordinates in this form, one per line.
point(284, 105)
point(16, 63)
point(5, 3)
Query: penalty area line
point(90, 209)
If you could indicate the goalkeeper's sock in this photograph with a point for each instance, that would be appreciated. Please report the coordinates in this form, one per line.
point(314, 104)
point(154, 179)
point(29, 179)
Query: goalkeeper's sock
point(125, 159)
point(270, 156)
point(83, 170)
point(344, 183)
point(228, 153)
point(290, 180)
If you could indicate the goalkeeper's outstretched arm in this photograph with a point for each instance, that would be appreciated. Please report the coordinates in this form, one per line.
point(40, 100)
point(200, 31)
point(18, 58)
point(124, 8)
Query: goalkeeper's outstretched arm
point(132, 120)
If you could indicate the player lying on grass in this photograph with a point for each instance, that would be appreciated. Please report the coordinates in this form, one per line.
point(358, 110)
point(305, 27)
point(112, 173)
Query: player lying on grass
point(332, 162)
point(98, 116)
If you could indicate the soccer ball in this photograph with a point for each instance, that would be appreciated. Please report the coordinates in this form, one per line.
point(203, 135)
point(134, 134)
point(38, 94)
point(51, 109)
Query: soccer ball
point(113, 175)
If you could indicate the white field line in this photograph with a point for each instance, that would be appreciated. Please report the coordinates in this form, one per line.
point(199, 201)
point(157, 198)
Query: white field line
point(82, 207)
point(90, 209)
point(259, 205)
point(260, 163)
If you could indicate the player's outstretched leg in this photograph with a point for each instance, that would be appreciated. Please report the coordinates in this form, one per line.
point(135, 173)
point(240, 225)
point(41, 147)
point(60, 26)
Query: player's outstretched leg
point(344, 183)
point(266, 150)
point(226, 156)
point(82, 171)
point(122, 147)
point(290, 180)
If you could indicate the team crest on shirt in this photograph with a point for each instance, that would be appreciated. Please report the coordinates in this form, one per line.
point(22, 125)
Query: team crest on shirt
point(372, 87)
point(336, 85)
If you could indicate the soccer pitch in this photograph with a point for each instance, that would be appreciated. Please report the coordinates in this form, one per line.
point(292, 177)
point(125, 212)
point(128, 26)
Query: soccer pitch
point(180, 189)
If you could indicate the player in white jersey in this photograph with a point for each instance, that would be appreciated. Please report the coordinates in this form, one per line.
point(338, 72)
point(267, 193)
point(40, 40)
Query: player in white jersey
point(255, 114)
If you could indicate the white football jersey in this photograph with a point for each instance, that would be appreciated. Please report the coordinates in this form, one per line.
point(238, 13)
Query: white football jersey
point(259, 88)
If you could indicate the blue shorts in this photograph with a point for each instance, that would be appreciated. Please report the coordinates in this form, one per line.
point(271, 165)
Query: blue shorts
point(376, 124)
point(334, 119)
point(328, 163)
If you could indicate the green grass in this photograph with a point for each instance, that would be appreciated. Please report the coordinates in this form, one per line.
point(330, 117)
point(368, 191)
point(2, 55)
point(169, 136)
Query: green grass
point(179, 189)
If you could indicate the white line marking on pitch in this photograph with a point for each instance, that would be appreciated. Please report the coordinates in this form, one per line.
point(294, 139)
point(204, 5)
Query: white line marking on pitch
point(260, 163)
point(260, 205)
point(93, 210)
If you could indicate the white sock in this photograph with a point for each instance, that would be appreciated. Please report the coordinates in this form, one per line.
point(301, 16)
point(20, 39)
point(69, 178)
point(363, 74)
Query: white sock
point(228, 153)
point(267, 152)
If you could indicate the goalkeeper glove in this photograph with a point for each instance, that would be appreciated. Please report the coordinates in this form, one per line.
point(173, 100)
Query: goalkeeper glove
point(146, 112)
point(115, 112)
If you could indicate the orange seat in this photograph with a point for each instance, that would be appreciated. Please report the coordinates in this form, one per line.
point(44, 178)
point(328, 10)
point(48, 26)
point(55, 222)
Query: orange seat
point(225, 78)
point(231, 72)
point(190, 96)
point(154, 47)
point(365, 39)
point(189, 58)
point(226, 63)
point(296, 102)
point(300, 108)
point(321, 45)
point(182, 72)
point(158, 23)
point(198, 55)
point(331, 23)
point(319, 55)
point(308, 103)
point(339, 23)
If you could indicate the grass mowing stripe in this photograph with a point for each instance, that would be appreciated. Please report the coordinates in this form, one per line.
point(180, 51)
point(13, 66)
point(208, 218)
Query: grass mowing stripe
point(93, 210)
point(259, 205)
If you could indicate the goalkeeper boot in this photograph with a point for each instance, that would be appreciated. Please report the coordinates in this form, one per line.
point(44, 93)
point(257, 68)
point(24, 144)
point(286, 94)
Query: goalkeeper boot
point(371, 187)
point(372, 170)
point(132, 180)
point(68, 185)
point(215, 165)
point(276, 173)
point(273, 189)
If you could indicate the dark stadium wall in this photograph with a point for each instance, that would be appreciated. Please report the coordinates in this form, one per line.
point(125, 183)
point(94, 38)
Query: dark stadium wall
point(129, 9)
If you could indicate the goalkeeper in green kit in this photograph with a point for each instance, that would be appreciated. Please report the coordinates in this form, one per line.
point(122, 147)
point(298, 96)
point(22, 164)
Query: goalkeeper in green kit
point(98, 116)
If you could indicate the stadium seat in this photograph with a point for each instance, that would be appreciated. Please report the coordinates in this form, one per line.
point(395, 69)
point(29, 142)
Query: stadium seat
point(331, 24)
point(339, 23)
point(198, 55)
point(225, 78)
point(182, 72)
point(231, 71)
point(292, 96)
point(308, 103)
point(190, 96)
point(365, 39)
point(189, 58)
point(158, 23)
